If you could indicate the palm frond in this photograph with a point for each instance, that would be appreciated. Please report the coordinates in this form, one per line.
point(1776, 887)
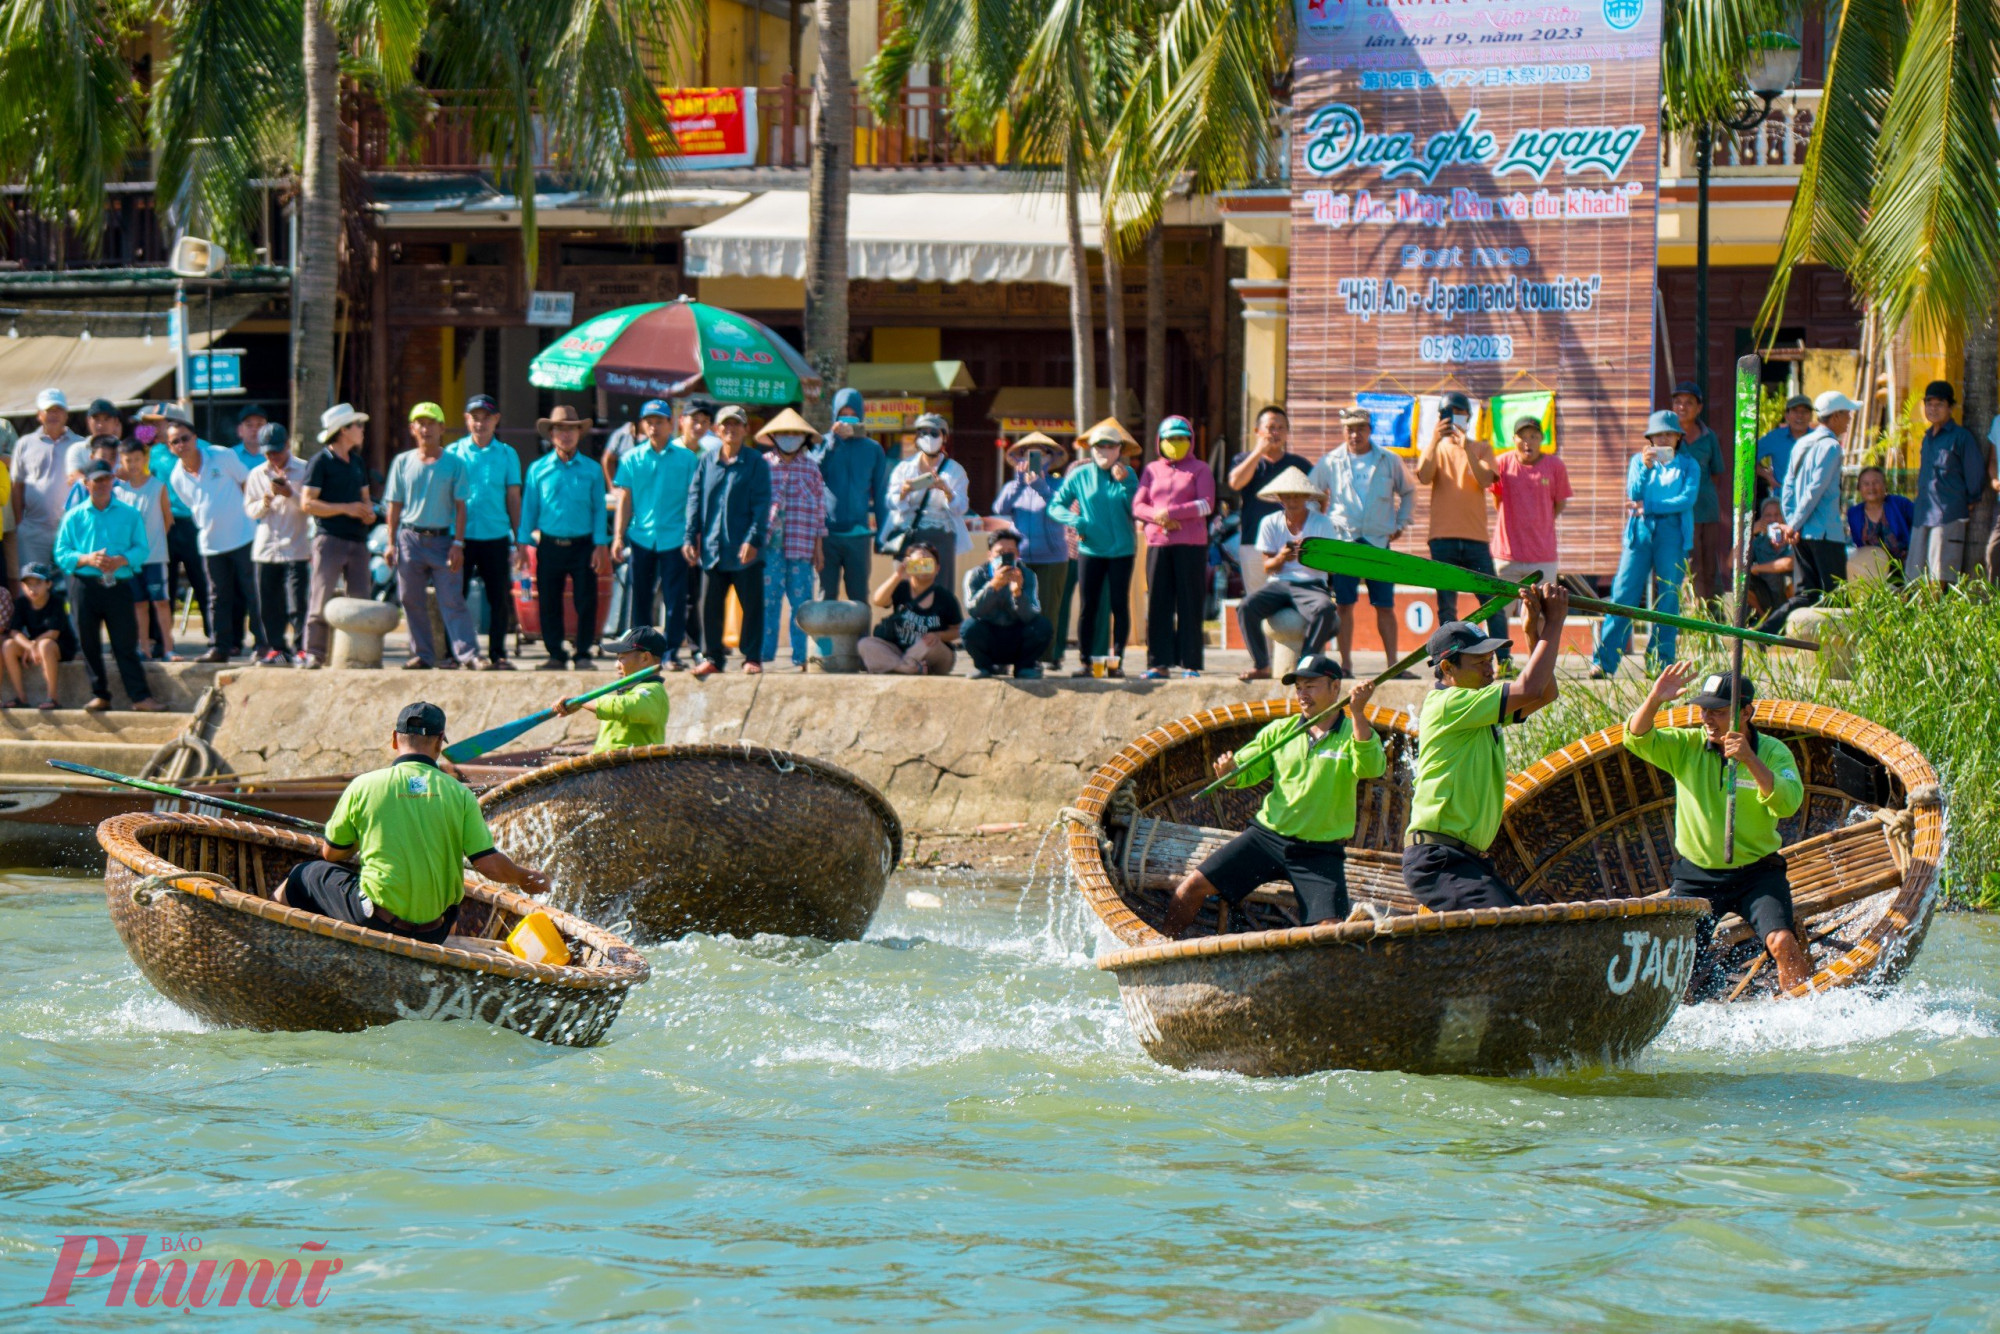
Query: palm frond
point(69, 107)
point(1830, 208)
point(1931, 247)
point(1704, 47)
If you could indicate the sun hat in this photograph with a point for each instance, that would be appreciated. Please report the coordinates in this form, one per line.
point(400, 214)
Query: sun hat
point(787, 422)
point(1356, 416)
point(1290, 482)
point(1108, 431)
point(562, 415)
point(1032, 440)
point(335, 420)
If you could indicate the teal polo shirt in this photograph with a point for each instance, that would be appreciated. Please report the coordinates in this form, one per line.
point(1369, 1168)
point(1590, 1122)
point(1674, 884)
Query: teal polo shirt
point(658, 480)
point(489, 472)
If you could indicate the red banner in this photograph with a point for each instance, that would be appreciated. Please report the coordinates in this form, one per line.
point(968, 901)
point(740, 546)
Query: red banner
point(713, 127)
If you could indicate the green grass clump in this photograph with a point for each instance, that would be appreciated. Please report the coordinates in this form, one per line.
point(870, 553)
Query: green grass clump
point(1926, 665)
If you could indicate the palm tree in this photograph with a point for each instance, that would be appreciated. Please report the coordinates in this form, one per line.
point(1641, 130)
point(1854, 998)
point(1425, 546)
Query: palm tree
point(252, 90)
point(826, 252)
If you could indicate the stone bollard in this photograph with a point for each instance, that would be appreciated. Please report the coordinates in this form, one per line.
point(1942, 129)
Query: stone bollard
point(836, 629)
point(1827, 627)
point(1286, 630)
point(358, 626)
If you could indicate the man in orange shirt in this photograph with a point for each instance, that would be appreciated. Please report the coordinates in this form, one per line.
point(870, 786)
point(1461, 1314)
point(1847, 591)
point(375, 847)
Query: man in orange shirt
point(1458, 469)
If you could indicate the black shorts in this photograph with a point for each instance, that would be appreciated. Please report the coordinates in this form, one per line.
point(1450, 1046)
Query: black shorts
point(1759, 893)
point(333, 889)
point(1317, 871)
point(1446, 879)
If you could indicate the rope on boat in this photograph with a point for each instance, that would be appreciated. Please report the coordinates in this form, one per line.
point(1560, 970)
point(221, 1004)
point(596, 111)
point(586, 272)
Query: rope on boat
point(147, 890)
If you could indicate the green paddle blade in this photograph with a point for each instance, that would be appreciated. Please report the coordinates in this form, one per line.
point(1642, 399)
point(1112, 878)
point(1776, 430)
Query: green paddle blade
point(1358, 560)
point(1749, 378)
point(458, 752)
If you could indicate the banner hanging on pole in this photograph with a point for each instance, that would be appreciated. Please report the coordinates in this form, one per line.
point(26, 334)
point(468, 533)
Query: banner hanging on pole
point(1474, 200)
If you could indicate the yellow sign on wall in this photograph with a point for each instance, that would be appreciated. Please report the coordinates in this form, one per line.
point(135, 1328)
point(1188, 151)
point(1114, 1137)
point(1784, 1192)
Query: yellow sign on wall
point(891, 414)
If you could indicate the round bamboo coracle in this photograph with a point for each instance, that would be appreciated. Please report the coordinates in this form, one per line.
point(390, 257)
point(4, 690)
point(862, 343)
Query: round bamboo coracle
point(1492, 991)
point(191, 898)
point(1591, 820)
point(730, 840)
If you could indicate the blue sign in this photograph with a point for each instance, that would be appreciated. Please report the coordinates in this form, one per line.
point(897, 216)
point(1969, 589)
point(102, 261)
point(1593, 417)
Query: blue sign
point(226, 369)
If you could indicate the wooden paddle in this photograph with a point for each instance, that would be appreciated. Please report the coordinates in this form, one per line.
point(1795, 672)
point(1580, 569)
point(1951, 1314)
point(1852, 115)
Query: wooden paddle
point(458, 752)
point(1359, 560)
point(203, 798)
point(1394, 669)
point(1749, 372)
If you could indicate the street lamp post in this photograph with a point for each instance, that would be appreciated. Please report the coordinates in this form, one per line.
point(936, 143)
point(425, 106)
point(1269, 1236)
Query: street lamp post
point(1775, 69)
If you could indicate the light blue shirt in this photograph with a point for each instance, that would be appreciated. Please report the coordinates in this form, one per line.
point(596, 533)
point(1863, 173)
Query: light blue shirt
point(1777, 446)
point(146, 499)
point(561, 499)
point(1663, 490)
point(116, 530)
point(1811, 495)
point(162, 461)
point(488, 472)
point(1369, 496)
point(247, 456)
point(428, 492)
point(215, 500)
point(658, 480)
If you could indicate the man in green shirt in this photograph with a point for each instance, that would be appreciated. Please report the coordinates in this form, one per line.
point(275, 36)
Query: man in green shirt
point(1752, 884)
point(636, 715)
point(1461, 764)
point(412, 825)
point(1300, 833)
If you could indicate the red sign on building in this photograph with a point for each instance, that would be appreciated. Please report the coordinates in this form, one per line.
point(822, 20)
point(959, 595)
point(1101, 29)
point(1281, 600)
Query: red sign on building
point(713, 127)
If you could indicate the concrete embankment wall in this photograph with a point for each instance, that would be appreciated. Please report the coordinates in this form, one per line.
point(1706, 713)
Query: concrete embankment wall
point(950, 753)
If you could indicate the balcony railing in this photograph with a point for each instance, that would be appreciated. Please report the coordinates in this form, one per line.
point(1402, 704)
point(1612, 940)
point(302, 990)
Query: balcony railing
point(1774, 147)
point(916, 132)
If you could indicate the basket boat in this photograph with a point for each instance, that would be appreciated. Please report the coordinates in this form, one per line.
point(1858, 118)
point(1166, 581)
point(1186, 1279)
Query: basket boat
point(1862, 852)
point(725, 839)
point(190, 897)
point(1500, 991)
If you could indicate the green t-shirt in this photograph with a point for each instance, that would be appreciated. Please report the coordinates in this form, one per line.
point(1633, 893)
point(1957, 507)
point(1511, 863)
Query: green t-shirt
point(1700, 798)
point(1461, 765)
point(634, 716)
point(414, 824)
point(1313, 783)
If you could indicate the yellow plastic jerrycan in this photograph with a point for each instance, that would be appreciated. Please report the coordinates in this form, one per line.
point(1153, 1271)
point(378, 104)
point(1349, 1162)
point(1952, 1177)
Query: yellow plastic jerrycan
point(537, 940)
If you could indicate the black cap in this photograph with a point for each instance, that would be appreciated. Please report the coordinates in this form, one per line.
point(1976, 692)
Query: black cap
point(101, 407)
point(97, 468)
point(1690, 387)
point(35, 569)
point(1713, 692)
point(1457, 402)
point(705, 406)
point(272, 438)
point(639, 639)
point(420, 719)
point(251, 410)
point(1460, 637)
point(1798, 401)
point(1315, 665)
point(481, 403)
point(1935, 389)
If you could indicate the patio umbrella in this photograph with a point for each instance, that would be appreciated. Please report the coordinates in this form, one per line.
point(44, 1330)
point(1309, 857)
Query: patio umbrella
point(668, 348)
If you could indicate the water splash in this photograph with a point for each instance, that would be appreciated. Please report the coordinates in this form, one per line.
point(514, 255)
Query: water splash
point(1831, 1021)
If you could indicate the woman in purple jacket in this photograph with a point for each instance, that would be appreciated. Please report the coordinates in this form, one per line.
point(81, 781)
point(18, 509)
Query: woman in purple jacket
point(1176, 496)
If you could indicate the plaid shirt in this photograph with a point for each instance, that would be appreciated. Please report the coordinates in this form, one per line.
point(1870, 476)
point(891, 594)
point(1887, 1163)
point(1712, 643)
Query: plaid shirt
point(798, 505)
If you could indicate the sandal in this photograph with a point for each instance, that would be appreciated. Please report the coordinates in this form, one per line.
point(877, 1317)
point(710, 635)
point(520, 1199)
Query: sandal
point(1255, 674)
point(11, 703)
point(46, 704)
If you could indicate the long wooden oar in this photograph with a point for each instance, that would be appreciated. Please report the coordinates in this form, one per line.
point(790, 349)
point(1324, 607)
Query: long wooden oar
point(1302, 723)
point(1749, 373)
point(1359, 560)
point(458, 752)
point(168, 790)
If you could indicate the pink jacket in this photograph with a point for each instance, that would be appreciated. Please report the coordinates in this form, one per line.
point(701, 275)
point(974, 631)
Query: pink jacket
point(1182, 491)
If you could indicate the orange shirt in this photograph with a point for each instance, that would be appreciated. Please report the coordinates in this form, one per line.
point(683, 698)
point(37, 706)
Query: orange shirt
point(1458, 501)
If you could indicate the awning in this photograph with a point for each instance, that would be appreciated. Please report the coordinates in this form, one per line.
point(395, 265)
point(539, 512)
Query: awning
point(1051, 411)
point(120, 369)
point(910, 377)
point(426, 201)
point(1012, 237)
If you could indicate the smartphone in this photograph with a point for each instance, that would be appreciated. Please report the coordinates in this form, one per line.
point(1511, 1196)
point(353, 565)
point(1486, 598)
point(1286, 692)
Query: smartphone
point(1008, 558)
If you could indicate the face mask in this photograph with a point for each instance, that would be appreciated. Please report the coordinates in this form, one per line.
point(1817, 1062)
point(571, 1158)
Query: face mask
point(930, 442)
point(1106, 458)
point(1176, 447)
point(921, 568)
point(789, 444)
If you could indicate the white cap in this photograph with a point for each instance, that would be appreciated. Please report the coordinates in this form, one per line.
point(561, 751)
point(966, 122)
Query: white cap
point(1834, 401)
point(335, 418)
point(52, 398)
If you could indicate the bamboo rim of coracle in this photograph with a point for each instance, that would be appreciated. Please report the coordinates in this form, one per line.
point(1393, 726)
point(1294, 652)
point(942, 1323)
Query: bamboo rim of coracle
point(783, 761)
point(119, 837)
point(1923, 805)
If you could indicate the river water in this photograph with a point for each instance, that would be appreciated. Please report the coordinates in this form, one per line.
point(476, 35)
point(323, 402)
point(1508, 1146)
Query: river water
point(949, 1126)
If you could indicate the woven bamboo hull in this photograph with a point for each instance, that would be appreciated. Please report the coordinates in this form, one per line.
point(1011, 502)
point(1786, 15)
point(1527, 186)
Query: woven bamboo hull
point(1502, 992)
point(1493, 992)
point(1861, 853)
point(728, 840)
point(233, 958)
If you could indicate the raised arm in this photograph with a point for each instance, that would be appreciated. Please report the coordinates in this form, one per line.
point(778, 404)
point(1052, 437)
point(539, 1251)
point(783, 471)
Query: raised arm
point(1667, 687)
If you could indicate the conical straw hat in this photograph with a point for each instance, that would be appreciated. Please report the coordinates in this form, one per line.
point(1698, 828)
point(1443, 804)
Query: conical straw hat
point(1110, 429)
point(1290, 482)
point(787, 423)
